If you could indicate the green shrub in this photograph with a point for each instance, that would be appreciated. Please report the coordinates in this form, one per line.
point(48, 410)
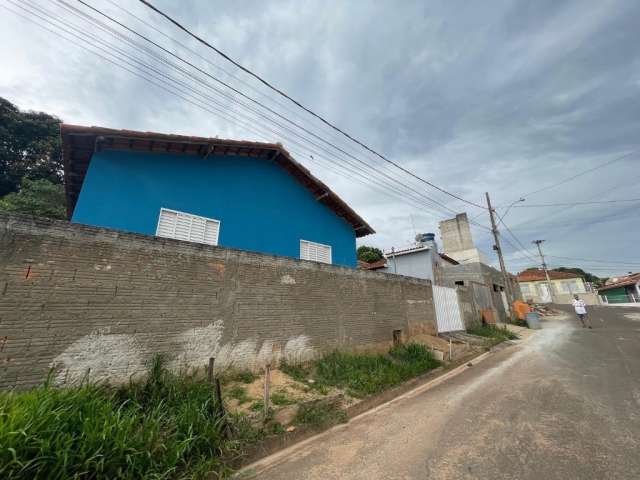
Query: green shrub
point(281, 398)
point(491, 331)
point(240, 394)
point(365, 374)
point(297, 372)
point(320, 415)
point(165, 427)
point(244, 377)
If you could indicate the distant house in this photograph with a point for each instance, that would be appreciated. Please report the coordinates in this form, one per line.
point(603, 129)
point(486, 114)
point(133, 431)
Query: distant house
point(624, 289)
point(534, 286)
point(420, 261)
point(237, 194)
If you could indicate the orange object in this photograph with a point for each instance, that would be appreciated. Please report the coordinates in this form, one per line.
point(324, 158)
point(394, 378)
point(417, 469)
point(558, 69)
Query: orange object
point(521, 309)
point(488, 317)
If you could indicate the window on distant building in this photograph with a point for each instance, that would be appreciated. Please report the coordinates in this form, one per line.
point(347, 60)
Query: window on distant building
point(184, 226)
point(315, 252)
point(570, 286)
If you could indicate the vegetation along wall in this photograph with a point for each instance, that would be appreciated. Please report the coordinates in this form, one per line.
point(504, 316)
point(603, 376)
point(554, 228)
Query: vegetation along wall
point(84, 302)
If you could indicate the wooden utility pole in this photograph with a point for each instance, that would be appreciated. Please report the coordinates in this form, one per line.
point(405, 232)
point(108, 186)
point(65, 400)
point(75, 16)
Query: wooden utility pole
point(498, 249)
point(544, 266)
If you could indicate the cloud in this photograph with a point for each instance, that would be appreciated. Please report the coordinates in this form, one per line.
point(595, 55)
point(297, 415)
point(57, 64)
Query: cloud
point(504, 97)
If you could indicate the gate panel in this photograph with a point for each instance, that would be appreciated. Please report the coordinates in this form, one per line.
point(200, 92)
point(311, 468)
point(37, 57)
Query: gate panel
point(448, 315)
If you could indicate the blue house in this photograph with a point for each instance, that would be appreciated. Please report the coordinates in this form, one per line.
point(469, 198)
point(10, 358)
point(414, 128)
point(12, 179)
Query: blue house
point(237, 194)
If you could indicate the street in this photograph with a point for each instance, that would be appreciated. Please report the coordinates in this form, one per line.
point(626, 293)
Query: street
point(564, 404)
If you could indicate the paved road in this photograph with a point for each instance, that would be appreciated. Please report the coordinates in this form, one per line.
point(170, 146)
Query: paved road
point(563, 405)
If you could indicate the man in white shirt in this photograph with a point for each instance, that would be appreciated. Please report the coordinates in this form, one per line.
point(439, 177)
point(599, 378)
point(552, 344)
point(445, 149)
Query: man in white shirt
point(581, 310)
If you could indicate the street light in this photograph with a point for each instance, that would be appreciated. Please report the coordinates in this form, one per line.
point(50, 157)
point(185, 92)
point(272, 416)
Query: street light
point(509, 207)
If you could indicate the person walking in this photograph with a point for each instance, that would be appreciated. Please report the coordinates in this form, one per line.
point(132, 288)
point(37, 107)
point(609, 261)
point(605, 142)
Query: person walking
point(581, 310)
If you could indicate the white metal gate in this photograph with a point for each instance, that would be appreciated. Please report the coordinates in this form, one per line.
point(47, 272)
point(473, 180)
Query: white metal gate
point(505, 303)
point(448, 315)
point(545, 293)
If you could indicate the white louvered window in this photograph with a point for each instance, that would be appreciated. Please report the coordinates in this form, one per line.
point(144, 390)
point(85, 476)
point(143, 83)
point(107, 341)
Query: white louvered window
point(315, 252)
point(184, 226)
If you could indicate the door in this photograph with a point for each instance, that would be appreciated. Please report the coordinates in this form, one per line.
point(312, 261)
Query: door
point(505, 302)
point(448, 315)
point(545, 293)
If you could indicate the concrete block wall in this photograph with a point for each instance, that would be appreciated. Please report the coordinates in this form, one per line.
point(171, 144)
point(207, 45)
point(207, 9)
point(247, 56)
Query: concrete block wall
point(88, 302)
point(456, 234)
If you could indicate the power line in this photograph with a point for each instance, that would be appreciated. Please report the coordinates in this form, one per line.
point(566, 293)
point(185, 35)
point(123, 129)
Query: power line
point(309, 111)
point(584, 172)
point(219, 112)
point(594, 260)
point(568, 204)
point(182, 92)
point(253, 100)
point(231, 98)
point(524, 250)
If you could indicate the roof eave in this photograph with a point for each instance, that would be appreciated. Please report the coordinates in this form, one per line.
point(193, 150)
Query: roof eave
point(90, 139)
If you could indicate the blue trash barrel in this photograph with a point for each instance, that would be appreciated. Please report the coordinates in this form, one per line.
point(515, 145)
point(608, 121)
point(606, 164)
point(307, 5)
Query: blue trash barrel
point(533, 320)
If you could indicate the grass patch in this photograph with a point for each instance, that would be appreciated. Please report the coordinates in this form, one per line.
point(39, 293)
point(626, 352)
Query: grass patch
point(297, 372)
point(167, 427)
point(498, 334)
point(320, 415)
point(366, 374)
point(281, 398)
point(240, 394)
point(243, 377)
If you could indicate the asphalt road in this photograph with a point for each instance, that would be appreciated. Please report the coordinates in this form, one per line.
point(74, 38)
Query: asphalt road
point(563, 404)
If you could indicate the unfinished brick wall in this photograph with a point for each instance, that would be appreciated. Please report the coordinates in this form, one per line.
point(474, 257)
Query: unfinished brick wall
point(92, 302)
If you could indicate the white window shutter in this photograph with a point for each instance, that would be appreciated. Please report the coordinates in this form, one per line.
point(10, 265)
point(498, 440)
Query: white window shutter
point(316, 252)
point(187, 227)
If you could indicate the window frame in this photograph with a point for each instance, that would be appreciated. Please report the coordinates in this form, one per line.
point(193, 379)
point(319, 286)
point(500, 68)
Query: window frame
point(192, 216)
point(316, 245)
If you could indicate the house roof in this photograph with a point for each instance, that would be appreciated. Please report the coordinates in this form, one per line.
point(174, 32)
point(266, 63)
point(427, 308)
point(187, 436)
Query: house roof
point(537, 274)
point(373, 265)
point(382, 263)
point(414, 249)
point(448, 259)
point(80, 142)
point(622, 282)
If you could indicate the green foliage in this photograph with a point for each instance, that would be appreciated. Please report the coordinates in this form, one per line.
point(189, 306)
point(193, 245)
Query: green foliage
point(281, 398)
point(499, 334)
point(240, 394)
point(36, 197)
point(588, 277)
point(369, 254)
point(244, 377)
point(165, 427)
point(29, 147)
point(297, 372)
point(366, 374)
point(320, 415)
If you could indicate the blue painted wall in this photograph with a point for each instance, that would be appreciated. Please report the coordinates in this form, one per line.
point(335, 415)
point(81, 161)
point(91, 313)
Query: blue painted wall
point(261, 207)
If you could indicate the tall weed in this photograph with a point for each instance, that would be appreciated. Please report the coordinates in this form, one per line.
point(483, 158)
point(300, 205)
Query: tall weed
point(167, 427)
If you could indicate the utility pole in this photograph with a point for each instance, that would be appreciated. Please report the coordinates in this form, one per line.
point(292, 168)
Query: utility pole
point(498, 249)
point(544, 266)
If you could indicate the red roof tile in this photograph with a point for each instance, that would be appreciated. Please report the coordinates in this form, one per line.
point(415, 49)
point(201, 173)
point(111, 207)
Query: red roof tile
point(373, 265)
point(537, 274)
point(622, 281)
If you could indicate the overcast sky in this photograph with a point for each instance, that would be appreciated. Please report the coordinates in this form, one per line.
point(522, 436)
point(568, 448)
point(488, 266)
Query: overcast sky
point(501, 96)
